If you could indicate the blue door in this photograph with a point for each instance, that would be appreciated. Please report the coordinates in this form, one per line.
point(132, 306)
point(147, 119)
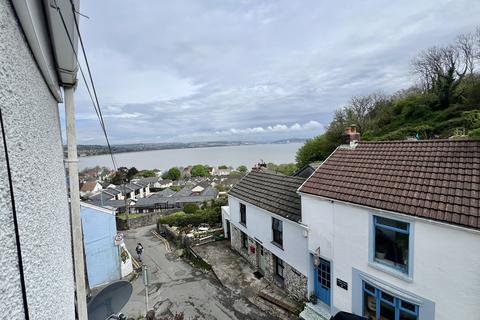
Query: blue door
point(322, 283)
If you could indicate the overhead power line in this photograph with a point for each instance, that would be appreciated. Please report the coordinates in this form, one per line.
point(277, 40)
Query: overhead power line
point(94, 97)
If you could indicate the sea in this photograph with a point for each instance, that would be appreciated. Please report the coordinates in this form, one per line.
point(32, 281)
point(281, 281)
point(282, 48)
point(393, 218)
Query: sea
point(233, 156)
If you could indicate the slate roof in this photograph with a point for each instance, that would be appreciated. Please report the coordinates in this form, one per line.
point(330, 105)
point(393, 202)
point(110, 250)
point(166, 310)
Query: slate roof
point(272, 192)
point(433, 179)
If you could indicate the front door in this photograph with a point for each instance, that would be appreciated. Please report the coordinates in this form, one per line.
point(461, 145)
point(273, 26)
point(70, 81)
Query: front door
point(322, 281)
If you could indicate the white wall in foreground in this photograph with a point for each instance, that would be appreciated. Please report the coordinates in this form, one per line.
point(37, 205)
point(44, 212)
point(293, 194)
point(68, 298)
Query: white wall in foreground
point(32, 127)
point(446, 260)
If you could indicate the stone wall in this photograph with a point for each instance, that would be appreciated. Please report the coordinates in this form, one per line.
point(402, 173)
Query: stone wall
point(146, 219)
point(236, 242)
point(295, 283)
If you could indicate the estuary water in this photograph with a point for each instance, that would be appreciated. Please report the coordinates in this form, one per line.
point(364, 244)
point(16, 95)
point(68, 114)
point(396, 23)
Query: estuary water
point(234, 156)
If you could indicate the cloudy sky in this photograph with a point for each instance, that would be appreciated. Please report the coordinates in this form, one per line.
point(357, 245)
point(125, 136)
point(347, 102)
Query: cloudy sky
point(203, 70)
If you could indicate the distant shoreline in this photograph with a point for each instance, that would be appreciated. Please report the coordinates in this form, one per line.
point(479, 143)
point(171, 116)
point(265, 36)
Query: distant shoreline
point(85, 151)
point(231, 155)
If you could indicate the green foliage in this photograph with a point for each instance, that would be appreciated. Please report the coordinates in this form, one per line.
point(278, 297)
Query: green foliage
point(147, 173)
point(175, 188)
point(242, 169)
point(199, 170)
point(172, 174)
point(211, 214)
point(409, 114)
point(223, 166)
point(285, 168)
point(316, 149)
point(190, 208)
point(131, 173)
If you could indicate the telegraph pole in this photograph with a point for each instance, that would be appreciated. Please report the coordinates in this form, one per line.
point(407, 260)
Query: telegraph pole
point(76, 221)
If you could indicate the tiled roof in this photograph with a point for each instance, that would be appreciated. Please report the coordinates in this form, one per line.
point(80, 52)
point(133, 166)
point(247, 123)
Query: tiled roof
point(433, 179)
point(272, 192)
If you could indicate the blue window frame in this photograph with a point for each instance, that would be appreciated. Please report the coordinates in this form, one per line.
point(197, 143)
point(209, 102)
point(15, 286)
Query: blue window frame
point(378, 304)
point(391, 245)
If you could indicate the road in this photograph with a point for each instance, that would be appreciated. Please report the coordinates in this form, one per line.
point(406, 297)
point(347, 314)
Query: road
point(178, 287)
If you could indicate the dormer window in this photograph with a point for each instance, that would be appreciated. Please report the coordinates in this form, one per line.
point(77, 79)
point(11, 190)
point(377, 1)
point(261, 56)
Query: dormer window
point(391, 243)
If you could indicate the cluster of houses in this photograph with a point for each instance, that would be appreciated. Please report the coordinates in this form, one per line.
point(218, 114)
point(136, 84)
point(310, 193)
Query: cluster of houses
point(138, 197)
point(106, 256)
point(383, 230)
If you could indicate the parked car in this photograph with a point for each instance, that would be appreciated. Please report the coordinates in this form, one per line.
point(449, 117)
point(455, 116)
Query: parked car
point(203, 227)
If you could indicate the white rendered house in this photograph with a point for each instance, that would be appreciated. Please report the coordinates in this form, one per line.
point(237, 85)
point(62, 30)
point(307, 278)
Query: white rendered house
point(263, 222)
point(394, 230)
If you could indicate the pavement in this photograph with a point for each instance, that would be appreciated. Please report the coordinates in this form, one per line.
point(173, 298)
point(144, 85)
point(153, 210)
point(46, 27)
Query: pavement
point(234, 272)
point(176, 286)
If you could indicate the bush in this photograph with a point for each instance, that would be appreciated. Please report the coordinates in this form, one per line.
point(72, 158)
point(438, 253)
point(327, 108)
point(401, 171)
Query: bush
point(211, 215)
point(190, 208)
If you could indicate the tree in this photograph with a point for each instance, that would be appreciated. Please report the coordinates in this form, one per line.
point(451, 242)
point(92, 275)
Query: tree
point(190, 208)
point(199, 170)
point(131, 173)
point(172, 174)
point(223, 166)
point(120, 176)
point(285, 168)
point(147, 173)
point(441, 69)
point(242, 169)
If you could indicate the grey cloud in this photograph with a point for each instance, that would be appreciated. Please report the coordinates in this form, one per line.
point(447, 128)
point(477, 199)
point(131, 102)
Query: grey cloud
point(179, 70)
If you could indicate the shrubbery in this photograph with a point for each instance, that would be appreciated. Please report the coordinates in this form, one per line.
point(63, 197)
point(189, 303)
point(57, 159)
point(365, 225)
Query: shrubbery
point(211, 214)
point(190, 208)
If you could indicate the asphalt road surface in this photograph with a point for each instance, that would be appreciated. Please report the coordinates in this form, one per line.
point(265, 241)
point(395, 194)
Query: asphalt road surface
point(178, 287)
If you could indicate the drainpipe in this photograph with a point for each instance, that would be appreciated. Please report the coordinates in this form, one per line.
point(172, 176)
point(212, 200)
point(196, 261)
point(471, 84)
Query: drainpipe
point(77, 234)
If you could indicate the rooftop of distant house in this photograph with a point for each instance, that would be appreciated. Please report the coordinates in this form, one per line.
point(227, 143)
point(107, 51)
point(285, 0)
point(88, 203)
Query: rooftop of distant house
point(432, 179)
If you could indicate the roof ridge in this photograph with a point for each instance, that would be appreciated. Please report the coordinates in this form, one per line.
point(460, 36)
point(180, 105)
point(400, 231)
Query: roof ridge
point(417, 141)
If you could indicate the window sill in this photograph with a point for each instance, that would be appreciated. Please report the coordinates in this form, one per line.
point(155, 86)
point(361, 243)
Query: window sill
point(277, 245)
point(395, 273)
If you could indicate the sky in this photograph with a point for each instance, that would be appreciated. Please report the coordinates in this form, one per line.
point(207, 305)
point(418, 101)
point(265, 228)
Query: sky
point(198, 70)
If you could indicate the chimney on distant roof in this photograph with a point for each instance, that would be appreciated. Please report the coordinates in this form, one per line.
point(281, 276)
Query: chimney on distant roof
point(351, 136)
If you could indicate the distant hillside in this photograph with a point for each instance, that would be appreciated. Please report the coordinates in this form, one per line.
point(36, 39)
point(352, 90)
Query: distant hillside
point(92, 150)
point(445, 103)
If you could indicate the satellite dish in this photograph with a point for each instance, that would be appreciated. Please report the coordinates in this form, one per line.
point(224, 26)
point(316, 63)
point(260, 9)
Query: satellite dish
point(110, 300)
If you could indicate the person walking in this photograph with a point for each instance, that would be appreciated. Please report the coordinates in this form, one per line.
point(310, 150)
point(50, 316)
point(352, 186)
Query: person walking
point(139, 250)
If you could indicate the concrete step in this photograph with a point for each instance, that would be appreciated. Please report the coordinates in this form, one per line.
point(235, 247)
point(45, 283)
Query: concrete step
point(317, 311)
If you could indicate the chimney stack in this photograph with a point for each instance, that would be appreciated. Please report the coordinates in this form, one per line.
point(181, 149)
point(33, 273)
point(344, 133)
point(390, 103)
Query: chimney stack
point(351, 135)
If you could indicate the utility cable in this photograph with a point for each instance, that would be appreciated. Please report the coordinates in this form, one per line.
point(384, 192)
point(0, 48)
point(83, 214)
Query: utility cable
point(15, 221)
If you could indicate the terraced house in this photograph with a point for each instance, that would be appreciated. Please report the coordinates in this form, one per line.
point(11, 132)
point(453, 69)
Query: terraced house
point(394, 230)
point(264, 224)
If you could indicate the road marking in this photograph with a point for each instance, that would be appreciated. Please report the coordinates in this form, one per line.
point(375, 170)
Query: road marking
point(136, 264)
point(165, 242)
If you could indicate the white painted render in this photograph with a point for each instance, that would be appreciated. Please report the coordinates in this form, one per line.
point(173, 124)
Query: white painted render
point(225, 218)
point(33, 135)
point(259, 227)
point(446, 259)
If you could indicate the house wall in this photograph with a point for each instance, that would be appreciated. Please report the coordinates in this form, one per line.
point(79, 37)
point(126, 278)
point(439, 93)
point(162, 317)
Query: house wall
point(445, 279)
point(259, 230)
point(32, 132)
point(101, 253)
